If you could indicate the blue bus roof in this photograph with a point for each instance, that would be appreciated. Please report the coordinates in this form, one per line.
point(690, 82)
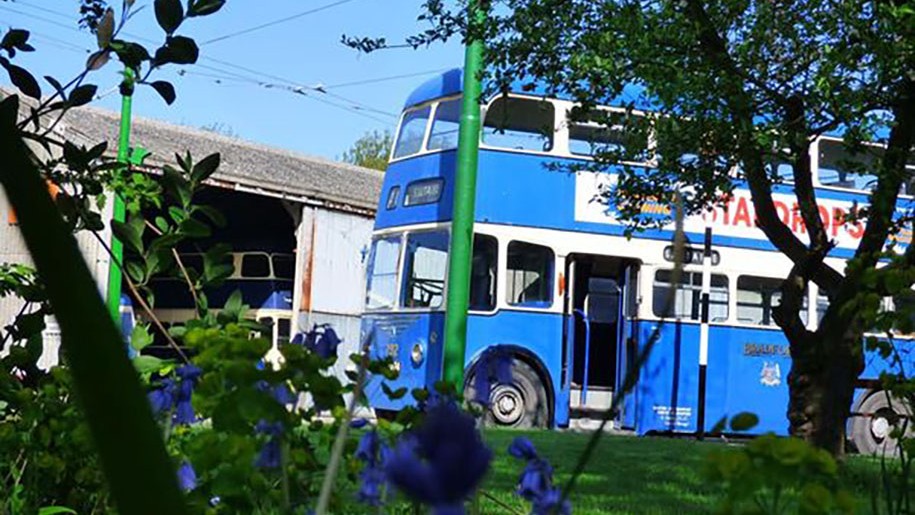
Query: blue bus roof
point(451, 83)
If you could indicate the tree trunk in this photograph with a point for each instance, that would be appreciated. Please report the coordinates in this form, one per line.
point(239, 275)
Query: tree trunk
point(821, 388)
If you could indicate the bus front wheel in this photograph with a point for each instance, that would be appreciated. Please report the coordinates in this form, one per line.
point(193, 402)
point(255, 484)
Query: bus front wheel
point(522, 403)
point(872, 429)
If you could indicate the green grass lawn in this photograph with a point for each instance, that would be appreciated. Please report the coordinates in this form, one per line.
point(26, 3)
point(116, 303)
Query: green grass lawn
point(626, 475)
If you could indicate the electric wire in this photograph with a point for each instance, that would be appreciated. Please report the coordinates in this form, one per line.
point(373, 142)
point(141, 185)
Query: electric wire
point(275, 22)
point(283, 83)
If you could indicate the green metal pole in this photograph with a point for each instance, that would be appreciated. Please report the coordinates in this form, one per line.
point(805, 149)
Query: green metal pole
point(117, 248)
point(465, 184)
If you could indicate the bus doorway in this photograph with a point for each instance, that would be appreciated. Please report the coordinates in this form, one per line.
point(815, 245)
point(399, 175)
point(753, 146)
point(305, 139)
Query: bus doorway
point(599, 303)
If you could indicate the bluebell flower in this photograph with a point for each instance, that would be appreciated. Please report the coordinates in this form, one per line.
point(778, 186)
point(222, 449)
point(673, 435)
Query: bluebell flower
point(271, 454)
point(549, 504)
point(187, 478)
point(184, 411)
point(358, 423)
point(522, 448)
point(442, 461)
point(374, 453)
point(280, 392)
point(327, 345)
point(162, 399)
point(215, 500)
point(536, 481)
point(371, 485)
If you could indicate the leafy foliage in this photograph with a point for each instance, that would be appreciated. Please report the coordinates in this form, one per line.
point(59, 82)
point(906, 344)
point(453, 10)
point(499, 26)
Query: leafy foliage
point(371, 150)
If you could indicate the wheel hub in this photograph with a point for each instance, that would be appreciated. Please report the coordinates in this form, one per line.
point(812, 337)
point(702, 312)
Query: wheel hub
point(880, 427)
point(507, 404)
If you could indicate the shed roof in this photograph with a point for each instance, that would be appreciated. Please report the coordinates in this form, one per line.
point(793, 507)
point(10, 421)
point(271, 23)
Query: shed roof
point(244, 165)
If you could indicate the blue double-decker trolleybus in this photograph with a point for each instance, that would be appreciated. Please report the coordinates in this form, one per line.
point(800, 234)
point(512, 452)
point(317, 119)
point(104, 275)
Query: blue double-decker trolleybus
point(557, 284)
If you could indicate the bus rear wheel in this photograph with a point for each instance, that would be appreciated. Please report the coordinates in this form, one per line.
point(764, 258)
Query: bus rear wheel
point(522, 403)
point(872, 430)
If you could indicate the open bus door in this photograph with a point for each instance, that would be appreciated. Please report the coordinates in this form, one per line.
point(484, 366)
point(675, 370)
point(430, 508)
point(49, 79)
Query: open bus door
point(627, 343)
point(600, 323)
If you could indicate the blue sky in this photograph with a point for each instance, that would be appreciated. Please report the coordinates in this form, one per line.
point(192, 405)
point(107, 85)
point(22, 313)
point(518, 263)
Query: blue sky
point(252, 98)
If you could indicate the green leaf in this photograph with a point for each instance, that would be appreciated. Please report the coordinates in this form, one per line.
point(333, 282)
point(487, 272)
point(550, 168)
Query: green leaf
point(205, 168)
point(82, 95)
point(161, 223)
point(720, 426)
point(140, 337)
point(165, 90)
point(744, 421)
point(194, 228)
point(136, 271)
point(234, 303)
point(105, 28)
point(178, 50)
point(98, 59)
point(55, 510)
point(128, 235)
point(169, 14)
point(149, 364)
point(130, 53)
point(204, 7)
point(393, 394)
point(213, 214)
point(22, 79)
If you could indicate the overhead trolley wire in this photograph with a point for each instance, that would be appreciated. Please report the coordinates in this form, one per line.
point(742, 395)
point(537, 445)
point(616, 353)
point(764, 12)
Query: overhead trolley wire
point(275, 22)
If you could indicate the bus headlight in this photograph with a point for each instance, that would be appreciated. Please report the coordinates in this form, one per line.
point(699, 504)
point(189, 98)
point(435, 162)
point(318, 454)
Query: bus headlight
point(417, 354)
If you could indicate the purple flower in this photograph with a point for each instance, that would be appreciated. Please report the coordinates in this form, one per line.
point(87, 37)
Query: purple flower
point(549, 504)
point(536, 481)
point(187, 478)
point(371, 485)
point(184, 411)
point(522, 448)
point(322, 340)
point(442, 461)
point(374, 453)
point(271, 454)
point(162, 399)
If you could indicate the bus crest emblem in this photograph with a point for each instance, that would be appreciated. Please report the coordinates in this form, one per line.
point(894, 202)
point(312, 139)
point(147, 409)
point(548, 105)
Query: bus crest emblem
point(771, 374)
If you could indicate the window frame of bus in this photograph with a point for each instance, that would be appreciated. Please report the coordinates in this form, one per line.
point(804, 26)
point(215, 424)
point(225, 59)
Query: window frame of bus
point(776, 282)
point(493, 305)
point(695, 288)
point(556, 129)
point(399, 236)
point(551, 278)
point(650, 146)
point(431, 105)
point(817, 153)
point(403, 278)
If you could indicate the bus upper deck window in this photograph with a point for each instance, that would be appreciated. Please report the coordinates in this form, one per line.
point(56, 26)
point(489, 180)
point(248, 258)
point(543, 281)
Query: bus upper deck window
point(255, 265)
point(426, 262)
point(520, 124)
point(483, 273)
point(412, 132)
point(609, 133)
point(530, 275)
point(841, 167)
point(445, 125)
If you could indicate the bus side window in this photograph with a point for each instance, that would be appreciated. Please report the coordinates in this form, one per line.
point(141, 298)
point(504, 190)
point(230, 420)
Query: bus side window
point(757, 297)
point(255, 265)
point(687, 301)
point(283, 266)
point(412, 132)
point(520, 124)
point(841, 167)
point(284, 328)
point(445, 125)
point(483, 273)
point(530, 275)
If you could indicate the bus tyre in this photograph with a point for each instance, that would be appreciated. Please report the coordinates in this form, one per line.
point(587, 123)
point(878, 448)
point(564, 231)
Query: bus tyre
point(521, 404)
point(879, 415)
